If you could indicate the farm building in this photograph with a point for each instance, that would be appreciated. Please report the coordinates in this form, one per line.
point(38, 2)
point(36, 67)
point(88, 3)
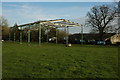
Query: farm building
point(115, 39)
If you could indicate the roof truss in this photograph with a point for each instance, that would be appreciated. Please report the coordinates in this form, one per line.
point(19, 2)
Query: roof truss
point(58, 23)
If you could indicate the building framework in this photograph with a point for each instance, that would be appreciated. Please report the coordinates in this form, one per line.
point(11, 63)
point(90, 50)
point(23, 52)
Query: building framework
point(58, 23)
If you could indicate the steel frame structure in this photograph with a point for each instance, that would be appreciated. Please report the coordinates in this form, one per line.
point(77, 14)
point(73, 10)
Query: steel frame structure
point(57, 23)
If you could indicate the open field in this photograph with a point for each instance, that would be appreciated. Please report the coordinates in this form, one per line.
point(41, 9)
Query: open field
point(58, 61)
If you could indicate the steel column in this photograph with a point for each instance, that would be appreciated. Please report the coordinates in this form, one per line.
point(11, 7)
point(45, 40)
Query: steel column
point(47, 35)
point(39, 34)
point(14, 33)
point(65, 34)
point(82, 34)
point(9, 34)
point(21, 36)
point(56, 36)
point(67, 37)
point(28, 34)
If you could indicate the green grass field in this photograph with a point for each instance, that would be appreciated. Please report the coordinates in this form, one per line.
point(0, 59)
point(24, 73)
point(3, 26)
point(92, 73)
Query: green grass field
point(58, 61)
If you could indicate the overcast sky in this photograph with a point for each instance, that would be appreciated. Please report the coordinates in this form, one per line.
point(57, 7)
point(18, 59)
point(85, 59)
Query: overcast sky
point(25, 12)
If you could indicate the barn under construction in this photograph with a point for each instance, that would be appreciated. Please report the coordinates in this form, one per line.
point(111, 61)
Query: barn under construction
point(58, 23)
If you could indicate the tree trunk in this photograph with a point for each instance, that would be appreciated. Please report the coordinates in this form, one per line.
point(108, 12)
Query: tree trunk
point(101, 34)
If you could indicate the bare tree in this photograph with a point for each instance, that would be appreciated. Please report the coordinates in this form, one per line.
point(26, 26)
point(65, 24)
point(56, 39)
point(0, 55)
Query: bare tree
point(3, 22)
point(99, 17)
point(4, 27)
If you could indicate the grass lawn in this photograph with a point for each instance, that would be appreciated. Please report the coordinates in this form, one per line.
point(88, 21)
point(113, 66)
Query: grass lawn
point(58, 61)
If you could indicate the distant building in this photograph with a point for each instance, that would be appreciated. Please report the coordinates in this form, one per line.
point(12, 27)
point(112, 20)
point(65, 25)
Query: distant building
point(88, 38)
point(115, 39)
